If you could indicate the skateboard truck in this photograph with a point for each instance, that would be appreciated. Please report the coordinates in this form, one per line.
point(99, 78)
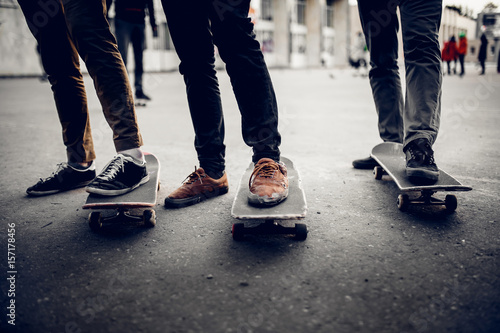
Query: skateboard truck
point(426, 199)
point(269, 227)
point(96, 219)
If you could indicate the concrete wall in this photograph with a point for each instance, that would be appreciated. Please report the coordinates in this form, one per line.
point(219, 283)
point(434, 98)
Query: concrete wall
point(18, 55)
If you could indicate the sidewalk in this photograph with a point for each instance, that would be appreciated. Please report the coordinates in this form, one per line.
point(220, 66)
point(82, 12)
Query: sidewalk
point(365, 266)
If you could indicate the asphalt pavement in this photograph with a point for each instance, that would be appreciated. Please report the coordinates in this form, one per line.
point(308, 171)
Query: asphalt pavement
point(364, 267)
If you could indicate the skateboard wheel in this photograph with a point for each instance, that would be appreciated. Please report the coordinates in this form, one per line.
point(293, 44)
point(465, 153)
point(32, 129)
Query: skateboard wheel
point(300, 231)
point(451, 203)
point(238, 231)
point(403, 202)
point(149, 218)
point(95, 222)
point(378, 172)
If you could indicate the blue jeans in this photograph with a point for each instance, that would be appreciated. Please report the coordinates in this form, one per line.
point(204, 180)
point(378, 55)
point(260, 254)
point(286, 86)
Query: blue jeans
point(196, 26)
point(419, 115)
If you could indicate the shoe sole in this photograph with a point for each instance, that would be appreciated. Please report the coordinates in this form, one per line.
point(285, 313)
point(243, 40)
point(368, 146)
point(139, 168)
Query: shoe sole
point(111, 193)
point(259, 201)
point(179, 203)
point(43, 193)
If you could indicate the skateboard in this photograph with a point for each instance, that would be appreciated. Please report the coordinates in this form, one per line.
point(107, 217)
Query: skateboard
point(294, 207)
point(391, 159)
point(141, 102)
point(141, 199)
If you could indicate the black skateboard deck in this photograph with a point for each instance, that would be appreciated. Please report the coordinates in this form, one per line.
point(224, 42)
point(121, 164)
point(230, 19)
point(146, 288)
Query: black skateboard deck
point(142, 197)
point(392, 162)
point(294, 207)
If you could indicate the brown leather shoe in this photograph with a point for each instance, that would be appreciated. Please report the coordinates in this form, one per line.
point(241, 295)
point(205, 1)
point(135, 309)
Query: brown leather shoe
point(268, 183)
point(197, 187)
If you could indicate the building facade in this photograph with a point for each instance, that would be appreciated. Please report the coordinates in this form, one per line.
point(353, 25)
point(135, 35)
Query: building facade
point(292, 34)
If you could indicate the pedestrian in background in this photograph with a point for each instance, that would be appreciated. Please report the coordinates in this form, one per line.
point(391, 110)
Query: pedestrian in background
point(195, 27)
point(415, 122)
point(462, 51)
point(483, 50)
point(130, 28)
point(449, 54)
point(80, 28)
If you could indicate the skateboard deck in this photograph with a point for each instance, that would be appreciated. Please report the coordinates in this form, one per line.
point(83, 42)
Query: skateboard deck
point(392, 162)
point(142, 197)
point(294, 207)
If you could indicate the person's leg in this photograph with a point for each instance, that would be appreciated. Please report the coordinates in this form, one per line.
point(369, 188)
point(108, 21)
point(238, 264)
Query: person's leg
point(122, 33)
point(60, 61)
point(483, 67)
point(234, 36)
point(96, 45)
point(449, 67)
point(189, 27)
point(461, 59)
point(420, 21)
point(380, 26)
point(235, 39)
point(138, 44)
point(420, 26)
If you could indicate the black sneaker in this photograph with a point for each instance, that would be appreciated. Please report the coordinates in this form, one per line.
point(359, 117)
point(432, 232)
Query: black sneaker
point(420, 165)
point(364, 163)
point(139, 94)
point(64, 178)
point(120, 176)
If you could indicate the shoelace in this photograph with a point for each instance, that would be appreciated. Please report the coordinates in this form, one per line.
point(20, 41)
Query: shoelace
point(112, 169)
point(194, 176)
point(266, 170)
point(427, 155)
point(60, 167)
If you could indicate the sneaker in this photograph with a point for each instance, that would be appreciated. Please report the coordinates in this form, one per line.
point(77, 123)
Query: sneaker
point(197, 187)
point(420, 165)
point(139, 94)
point(123, 174)
point(365, 163)
point(268, 183)
point(64, 178)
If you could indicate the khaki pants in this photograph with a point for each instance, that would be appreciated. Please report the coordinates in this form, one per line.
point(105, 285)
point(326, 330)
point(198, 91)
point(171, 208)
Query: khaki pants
point(65, 29)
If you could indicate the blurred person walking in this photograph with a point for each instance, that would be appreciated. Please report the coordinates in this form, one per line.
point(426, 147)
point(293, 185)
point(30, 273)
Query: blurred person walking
point(462, 52)
point(483, 53)
point(449, 54)
point(415, 122)
point(75, 28)
point(130, 28)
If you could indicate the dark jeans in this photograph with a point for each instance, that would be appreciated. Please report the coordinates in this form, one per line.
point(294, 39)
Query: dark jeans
point(134, 33)
point(461, 59)
point(195, 26)
point(82, 29)
point(419, 115)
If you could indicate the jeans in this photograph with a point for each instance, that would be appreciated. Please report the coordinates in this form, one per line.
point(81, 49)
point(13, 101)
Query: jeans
point(134, 33)
point(65, 29)
point(418, 116)
point(196, 26)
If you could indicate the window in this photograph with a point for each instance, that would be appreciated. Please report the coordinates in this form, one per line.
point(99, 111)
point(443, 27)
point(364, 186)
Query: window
point(267, 10)
point(301, 11)
point(329, 14)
